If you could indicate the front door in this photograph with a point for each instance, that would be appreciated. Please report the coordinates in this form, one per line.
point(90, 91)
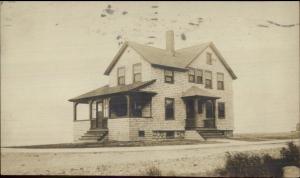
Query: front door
point(190, 113)
point(97, 115)
point(210, 116)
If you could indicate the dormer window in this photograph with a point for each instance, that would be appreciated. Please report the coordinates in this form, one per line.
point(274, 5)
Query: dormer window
point(169, 76)
point(121, 76)
point(137, 72)
point(209, 58)
point(208, 79)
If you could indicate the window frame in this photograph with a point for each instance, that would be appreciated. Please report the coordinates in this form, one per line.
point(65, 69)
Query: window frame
point(223, 116)
point(211, 80)
point(173, 106)
point(119, 77)
point(196, 79)
point(209, 58)
point(137, 73)
point(172, 77)
point(141, 134)
point(222, 81)
point(192, 75)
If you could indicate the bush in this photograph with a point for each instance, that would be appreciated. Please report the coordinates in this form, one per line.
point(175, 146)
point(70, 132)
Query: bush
point(246, 165)
point(153, 171)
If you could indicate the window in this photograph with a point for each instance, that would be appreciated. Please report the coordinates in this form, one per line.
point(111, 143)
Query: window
point(169, 108)
point(141, 133)
point(221, 110)
point(169, 76)
point(220, 81)
point(208, 79)
point(137, 107)
point(137, 72)
point(208, 58)
point(191, 75)
point(121, 76)
point(170, 134)
point(200, 110)
point(199, 76)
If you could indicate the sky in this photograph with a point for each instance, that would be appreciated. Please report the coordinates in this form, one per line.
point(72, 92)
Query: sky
point(54, 51)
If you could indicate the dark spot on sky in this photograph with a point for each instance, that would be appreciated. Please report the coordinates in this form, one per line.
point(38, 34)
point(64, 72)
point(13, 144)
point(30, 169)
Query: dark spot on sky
point(109, 11)
point(151, 36)
point(154, 19)
point(103, 15)
point(280, 25)
point(119, 37)
point(124, 12)
point(149, 43)
point(155, 6)
point(56, 24)
point(183, 37)
point(155, 12)
point(191, 23)
point(120, 43)
point(109, 6)
point(264, 26)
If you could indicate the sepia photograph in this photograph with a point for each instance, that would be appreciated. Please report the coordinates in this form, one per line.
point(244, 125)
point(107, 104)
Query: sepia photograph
point(150, 88)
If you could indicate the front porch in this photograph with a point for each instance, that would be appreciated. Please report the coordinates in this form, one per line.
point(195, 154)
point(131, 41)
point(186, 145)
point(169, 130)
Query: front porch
point(110, 108)
point(200, 109)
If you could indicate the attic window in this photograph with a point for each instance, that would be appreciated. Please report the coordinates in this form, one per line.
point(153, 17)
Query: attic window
point(169, 76)
point(137, 72)
point(208, 58)
point(121, 76)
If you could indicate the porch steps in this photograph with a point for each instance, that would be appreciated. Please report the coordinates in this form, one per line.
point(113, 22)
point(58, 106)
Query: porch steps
point(211, 133)
point(94, 135)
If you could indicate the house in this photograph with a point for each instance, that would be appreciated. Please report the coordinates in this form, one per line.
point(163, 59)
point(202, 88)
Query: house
point(158, 93)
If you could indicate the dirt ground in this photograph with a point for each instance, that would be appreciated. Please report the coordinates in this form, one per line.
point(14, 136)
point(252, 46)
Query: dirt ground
point(182, 162)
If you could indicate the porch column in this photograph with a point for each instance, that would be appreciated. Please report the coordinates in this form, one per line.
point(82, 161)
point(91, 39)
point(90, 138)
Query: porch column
point(75, 111)
point(91, 109)
point(128, 106)
point(196, 106)
point(214, 108)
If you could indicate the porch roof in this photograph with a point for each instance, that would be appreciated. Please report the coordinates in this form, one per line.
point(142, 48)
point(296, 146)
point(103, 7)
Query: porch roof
point(107, 91)
point(196, 91)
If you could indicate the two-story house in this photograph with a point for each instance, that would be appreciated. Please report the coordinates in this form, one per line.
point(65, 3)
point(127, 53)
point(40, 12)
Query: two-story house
point(158, 93)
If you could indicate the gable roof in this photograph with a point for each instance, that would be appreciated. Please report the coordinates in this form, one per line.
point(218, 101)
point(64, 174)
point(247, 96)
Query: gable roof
point(161, 57)
point(106, 90)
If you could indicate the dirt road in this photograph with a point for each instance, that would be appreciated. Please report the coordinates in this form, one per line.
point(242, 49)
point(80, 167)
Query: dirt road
point(184, 160)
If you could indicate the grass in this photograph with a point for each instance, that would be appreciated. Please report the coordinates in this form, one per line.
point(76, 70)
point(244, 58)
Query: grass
point(117, 144)
point(266, 136)
point(252, 165)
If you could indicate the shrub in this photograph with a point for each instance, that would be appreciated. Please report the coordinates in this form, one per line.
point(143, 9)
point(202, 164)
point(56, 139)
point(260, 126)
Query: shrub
point(153, 171)
point(246, 165)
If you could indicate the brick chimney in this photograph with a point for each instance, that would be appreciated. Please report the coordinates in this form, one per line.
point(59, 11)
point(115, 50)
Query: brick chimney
point(170, 42)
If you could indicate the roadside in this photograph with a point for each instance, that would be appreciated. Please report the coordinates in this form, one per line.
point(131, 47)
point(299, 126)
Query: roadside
point(184, 160)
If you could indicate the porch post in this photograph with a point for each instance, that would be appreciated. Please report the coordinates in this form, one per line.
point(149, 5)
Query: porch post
point(75, 111)
point(128, 106)
point(91, 111)
point(214, 111)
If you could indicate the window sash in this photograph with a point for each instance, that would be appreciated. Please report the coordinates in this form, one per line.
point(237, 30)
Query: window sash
point(220, 85)
point(169, 108)
point(208, 83)
point(121, 80)
point(137, 77)
point(220, 77)
point(169, 76)
point(137, 68)
point(121, 71)
point(221, 110)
